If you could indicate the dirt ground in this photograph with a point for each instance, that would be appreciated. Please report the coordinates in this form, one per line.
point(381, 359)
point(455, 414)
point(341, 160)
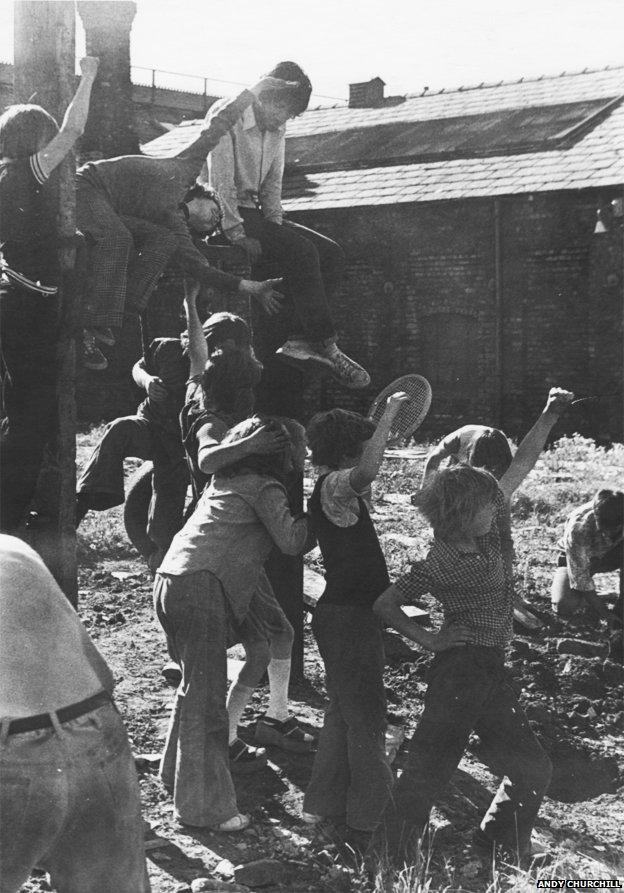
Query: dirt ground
point(574, 702)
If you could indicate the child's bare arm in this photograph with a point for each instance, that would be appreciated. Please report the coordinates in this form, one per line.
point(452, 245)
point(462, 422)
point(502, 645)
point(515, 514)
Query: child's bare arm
point(151, 384)
point(74, 121)
point(198, 349)
point(432, 462)
point(367, 468)
point(213, 455)
point(532, 445)
point(388, 607)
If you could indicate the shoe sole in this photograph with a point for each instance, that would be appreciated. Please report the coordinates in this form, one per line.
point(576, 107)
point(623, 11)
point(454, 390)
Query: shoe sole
point(308, 365)
point(266, 735)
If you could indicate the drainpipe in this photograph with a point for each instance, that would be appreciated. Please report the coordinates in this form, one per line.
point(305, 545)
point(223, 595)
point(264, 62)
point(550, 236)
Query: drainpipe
point(500, 315)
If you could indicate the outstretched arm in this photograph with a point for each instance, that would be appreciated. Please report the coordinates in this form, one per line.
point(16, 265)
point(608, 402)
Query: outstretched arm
point(198, 349)
point(74, 121)
point(432, 462)
point(367, 468)
point(532, 445)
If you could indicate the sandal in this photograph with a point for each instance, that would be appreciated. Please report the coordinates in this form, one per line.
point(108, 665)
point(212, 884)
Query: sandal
point(245, 759)
point(287, 734)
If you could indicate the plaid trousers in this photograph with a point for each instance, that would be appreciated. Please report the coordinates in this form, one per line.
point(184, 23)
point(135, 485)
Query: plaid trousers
point(127, 256)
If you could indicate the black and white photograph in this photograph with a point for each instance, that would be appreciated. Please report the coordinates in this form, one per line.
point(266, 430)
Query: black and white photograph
point(311, 446)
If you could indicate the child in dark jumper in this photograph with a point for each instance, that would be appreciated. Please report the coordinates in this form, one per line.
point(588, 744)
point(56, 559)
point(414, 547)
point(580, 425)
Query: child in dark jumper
point(351, 776)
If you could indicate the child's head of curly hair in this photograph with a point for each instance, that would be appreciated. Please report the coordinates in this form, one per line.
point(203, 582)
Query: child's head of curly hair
point(337, 436)
point(25, 130)
point(451, 498)
point(228, 381)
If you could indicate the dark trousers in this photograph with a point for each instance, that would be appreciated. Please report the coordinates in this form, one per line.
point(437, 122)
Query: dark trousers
point(312, 266)
point(351, 775)
point(469, 689)
point(101, 484)
point(28, 374)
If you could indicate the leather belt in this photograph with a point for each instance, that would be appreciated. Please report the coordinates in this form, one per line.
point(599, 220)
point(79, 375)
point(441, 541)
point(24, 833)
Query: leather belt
point(44, 720)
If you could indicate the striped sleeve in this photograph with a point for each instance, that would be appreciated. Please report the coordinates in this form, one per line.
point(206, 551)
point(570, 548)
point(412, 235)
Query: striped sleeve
point(36, 169)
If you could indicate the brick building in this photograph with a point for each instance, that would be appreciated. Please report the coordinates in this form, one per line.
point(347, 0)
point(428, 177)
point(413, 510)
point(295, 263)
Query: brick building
point(469, 219)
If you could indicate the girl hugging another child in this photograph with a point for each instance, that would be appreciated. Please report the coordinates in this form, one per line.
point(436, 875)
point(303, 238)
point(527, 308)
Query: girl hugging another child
point(202, 595)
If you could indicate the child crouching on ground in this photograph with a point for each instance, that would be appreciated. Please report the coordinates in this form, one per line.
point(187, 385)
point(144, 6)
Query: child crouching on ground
point(202, 593)
point(469, 688)
point(351, 776)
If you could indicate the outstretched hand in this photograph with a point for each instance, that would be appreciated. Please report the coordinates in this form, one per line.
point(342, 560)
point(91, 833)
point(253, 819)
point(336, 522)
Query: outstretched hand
point(89, 66)
point(558, 400)
point(265, 294)
point(394, 403)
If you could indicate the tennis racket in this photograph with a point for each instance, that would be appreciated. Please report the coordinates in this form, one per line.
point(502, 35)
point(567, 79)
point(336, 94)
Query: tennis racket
point(412, 413)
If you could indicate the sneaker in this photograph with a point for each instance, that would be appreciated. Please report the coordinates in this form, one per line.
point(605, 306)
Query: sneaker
point(245, 759)
point(287, 734)
point(104, 336)
point(92, 356)
point(304, 355)
point(344, 369)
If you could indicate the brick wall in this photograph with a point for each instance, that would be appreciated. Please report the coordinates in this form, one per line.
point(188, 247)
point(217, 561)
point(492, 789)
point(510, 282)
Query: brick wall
point(420, 295)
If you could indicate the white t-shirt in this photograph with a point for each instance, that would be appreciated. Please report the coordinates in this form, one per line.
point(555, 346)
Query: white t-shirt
point(47, 660)
point(339, 500)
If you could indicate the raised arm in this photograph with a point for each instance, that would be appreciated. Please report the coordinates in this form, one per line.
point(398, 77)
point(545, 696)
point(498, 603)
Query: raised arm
point(533, 443)
point(74, 121)
point(367, 468)
point(198, 349)
point(433, 460)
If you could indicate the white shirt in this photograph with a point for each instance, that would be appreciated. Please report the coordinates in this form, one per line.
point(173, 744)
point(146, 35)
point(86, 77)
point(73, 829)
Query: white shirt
point(246, 169)
point(47, 660)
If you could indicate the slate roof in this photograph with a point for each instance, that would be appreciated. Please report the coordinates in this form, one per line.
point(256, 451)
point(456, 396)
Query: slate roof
point(595, 157)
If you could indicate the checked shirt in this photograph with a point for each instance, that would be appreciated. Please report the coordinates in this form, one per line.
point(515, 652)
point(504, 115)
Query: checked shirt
point(474, 588)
